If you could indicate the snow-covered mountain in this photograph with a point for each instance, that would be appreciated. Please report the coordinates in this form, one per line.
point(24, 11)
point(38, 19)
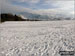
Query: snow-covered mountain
point(23, 17)
point(30, 15)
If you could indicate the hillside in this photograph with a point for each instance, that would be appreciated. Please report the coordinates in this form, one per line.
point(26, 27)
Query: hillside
point(11, 17)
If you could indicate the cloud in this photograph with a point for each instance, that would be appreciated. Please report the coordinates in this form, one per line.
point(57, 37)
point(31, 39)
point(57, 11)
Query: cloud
point(25, 1)
point(7, 7)
point(10, 6)
point(42, 6)
point(61, 7)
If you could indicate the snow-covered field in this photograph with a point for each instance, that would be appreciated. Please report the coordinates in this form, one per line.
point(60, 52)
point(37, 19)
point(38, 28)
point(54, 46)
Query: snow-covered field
point(40, 38)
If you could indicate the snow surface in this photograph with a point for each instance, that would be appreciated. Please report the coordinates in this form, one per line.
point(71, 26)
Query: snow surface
point(41, 38)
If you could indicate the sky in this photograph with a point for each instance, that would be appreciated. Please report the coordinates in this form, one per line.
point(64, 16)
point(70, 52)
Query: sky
point(38, 6)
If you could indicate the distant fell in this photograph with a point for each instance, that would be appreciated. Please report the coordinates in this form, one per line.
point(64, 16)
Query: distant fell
point(11, 17)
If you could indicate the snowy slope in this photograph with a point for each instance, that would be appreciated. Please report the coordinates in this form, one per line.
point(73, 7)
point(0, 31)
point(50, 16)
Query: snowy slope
point(41, 38)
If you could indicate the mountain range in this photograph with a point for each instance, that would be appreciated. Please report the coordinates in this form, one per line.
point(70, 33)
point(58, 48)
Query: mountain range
point(45, 17)
point(28, 16)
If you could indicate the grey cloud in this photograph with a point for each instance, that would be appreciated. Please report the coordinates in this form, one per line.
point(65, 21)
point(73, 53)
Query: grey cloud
point(7, 7)
point(27, 1)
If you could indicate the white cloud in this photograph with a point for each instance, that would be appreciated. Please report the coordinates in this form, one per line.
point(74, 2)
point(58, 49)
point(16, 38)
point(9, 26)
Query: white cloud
point(62, 7)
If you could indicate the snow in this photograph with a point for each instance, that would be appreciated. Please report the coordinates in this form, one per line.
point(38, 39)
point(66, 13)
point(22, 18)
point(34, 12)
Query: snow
point(22, 17)
point(41, 38)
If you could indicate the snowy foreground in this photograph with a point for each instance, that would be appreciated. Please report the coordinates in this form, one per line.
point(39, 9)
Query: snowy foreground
point(40, 38)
